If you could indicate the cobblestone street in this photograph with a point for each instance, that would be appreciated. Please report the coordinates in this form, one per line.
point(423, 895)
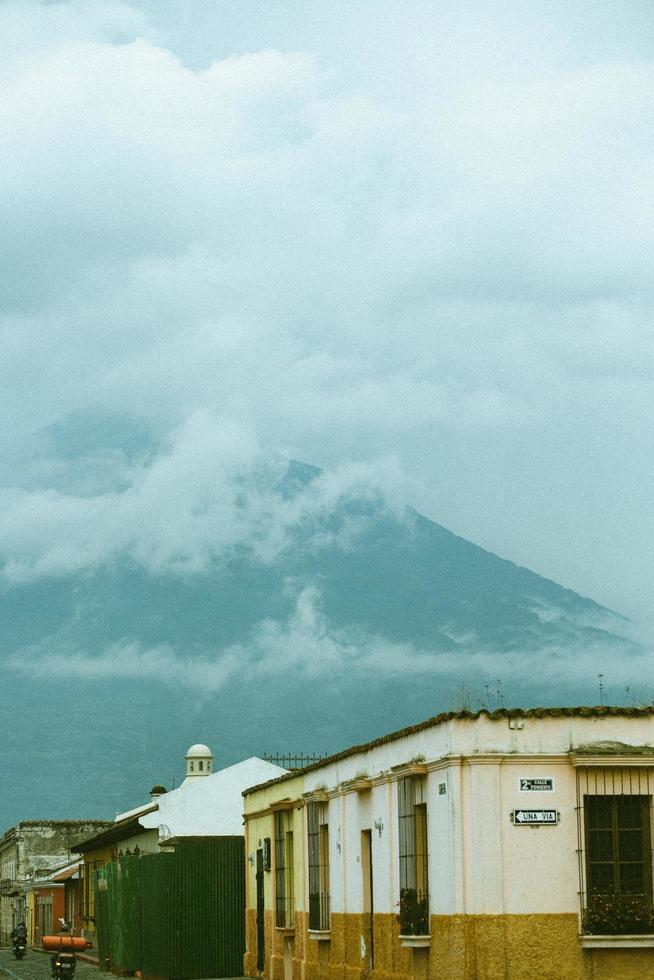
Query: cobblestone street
point(36, 966)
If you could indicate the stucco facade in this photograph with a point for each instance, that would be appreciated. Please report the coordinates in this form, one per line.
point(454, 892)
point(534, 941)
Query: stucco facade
point(47, 905)
point(502, 896)
point(269, 945)
point(28, 851)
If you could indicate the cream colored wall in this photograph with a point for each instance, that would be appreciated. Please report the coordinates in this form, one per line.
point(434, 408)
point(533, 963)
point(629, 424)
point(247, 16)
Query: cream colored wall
point(500, 895)
point(534, 857)
point(256, 831)
point(350, 813)
point(474, 737)
point(259, 827)
point(479, 862)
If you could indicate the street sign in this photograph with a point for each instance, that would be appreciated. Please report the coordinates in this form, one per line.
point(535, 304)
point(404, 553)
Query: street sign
point(536, 784)
point(534, 817)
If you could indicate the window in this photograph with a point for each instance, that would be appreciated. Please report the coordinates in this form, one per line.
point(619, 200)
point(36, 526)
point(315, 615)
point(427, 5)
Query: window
point(414, 889)
point(44, 916)
point(318, 841)
point(90, 870)
point(284, 897)
point(615, 849)
point(201, 765)
point(71, 907)
point(618, 845)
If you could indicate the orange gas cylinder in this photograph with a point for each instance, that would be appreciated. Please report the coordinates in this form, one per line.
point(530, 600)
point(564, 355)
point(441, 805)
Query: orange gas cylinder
point(74, 943)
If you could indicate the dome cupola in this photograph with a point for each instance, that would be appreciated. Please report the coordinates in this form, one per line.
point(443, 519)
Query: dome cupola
point(199, 761)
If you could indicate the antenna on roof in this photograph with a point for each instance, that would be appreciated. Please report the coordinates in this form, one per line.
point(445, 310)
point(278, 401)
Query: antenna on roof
point(498, 693)
point(600, 684)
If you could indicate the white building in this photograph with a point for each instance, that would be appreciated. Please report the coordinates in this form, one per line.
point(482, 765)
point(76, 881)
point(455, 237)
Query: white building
point(510, 844)
point(208, 803)
point(210, 806)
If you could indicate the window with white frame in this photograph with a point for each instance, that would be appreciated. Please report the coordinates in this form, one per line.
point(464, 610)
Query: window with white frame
point(414, 889)
point(284, 870)
point(615, 830)
point(318, 848)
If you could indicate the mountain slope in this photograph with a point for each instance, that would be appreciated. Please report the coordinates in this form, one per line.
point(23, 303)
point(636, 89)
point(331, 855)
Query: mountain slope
point(363, 619)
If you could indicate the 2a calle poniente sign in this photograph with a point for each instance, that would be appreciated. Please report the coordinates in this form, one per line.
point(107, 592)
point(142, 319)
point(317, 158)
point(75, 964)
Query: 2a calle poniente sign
point(536, 784)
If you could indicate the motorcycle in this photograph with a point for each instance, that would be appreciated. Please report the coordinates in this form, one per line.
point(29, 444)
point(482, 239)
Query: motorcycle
point(20, 948)
point(63, 965)
point(63, 947)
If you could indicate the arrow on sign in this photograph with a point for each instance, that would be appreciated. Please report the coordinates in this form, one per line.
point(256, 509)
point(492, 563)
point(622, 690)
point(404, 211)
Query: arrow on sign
point(535, 816)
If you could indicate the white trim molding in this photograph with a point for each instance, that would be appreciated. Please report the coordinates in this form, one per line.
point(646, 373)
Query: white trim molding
point(416, 942)
point(637, 941)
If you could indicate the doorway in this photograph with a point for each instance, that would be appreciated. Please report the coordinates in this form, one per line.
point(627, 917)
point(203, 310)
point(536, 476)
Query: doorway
point(261, 933)
point(368, 905)
point(44, 916)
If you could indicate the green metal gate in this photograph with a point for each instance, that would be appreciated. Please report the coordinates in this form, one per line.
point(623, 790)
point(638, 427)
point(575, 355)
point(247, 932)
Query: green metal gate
point(177, 914)
point(124, 912)
point(160, 917)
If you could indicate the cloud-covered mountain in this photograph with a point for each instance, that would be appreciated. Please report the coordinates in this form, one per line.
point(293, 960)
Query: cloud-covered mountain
point(344, 232)
point(362, 228)
point(155, 595)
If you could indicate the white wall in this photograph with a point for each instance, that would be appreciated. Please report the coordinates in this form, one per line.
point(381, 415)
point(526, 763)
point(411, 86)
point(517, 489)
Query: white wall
point(479, 861)
point(212, 805)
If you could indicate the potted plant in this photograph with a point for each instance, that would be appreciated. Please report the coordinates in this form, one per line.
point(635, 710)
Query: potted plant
point(618, 915)
point(414, 913)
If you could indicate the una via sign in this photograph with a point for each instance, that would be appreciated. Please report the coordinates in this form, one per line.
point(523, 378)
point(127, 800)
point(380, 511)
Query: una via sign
point(536, 784)
point(535, 817)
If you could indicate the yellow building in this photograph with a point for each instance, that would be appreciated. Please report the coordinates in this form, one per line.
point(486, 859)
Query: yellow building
point(93, 860)
point(275, 924)
point(487, 846)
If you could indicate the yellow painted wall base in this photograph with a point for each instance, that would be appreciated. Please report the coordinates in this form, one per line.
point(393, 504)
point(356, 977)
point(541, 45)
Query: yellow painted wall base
point(480, 947)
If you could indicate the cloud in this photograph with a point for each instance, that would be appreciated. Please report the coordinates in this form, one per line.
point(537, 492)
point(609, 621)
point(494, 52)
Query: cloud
point(306, 645)
point(449, 267)
point(31, 30)
point(171, 232)
point(213, 491)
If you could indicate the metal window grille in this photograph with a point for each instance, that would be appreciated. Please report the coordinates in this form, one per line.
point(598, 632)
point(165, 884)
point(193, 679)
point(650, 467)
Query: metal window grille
point(414, 861)
point(615, 847)
point(318, 846)
point(284, 871)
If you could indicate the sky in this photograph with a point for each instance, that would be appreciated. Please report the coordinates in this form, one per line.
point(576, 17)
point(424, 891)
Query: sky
point(407, 242)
